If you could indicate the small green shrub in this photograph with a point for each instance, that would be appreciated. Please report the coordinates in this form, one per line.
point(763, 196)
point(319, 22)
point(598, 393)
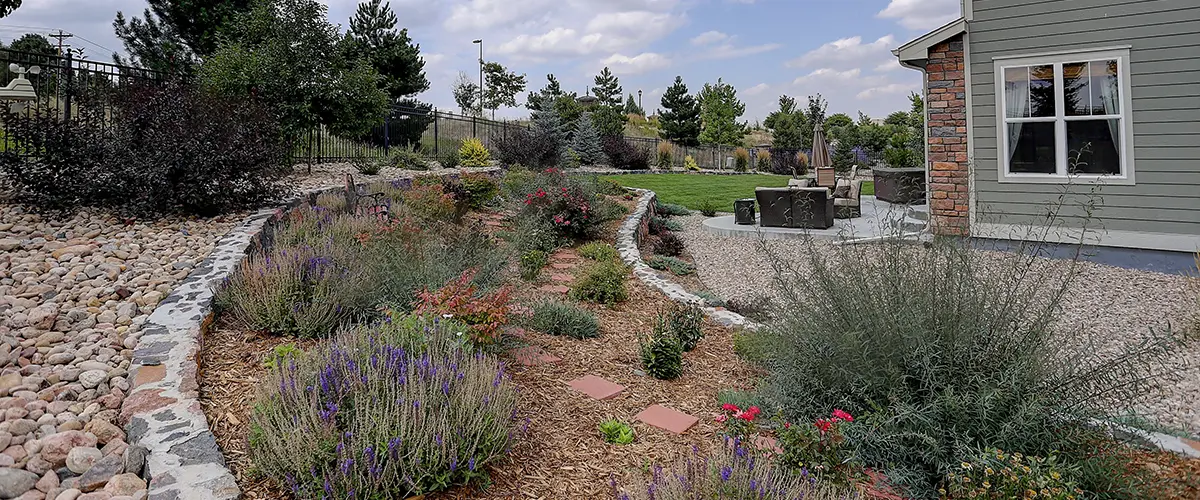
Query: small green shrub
point(676, 266)
point(660, 224)
point(616, 432)
point(407, 159)
point(281, 354)
point(670, 209)
point(367, 166)
point(611, 188)
point(392, 410)
point(531, 233)
point(474, 154)
point(478, 189)
point(669, 244)
point(532, 262)
point(711, 299)
point(599, 251)
point(564, 319)
point(708, 208)
point(686, 322)
point(603, 283)
point(690, 164)
point(452, 159)
point(741, 160)
point(661, 352)
point(994, 474)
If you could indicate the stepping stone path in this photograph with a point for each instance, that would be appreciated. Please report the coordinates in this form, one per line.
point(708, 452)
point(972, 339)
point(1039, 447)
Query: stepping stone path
point(534, 356)
point(667, 419)
point(561, 278)
point(596, 387)
point(565, 255)
point(562, 266)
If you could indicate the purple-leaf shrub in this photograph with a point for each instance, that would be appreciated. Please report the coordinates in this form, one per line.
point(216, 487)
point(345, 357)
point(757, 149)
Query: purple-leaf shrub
point(392, 410)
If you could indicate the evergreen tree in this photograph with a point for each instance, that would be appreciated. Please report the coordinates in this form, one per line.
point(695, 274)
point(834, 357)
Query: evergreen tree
point(549, 129)
point(680, 115)
point(787, 125)
point(175, 35)
point(543, 100)
point(502, 87)
point(631, 107)
point(609, 115)
point(843, 156)
point(719, 111)
point(586, 143)
point(8, 6)
point(373, 37)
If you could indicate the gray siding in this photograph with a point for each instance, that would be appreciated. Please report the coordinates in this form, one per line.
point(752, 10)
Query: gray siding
point(1165, 84)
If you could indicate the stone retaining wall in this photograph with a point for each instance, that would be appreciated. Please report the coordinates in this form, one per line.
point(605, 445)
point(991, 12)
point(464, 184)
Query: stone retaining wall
point(631, 233)
point(162, 413)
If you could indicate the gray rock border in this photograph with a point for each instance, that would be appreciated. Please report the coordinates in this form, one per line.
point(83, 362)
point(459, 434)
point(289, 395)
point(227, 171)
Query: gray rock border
point(162, 412)
point(632, 231)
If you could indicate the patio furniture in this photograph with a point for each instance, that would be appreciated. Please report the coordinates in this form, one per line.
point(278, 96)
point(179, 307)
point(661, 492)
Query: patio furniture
point(743, 211)
point(848, 206)
point(800, 183)
point(900, 185)
point(800, 208)
point(826, 177)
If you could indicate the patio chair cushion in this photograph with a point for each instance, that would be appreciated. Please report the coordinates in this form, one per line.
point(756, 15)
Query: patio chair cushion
point(841, 189)
point(803, 183)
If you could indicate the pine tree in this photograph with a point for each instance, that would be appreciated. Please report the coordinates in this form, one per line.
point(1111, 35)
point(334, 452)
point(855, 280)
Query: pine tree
point(549, 129)
point(787, 125)
point(680, 115)
point(631, 107)
point(373, 37)
point(173, 35)
point(586, 142)
point(719, 111)
point(609, 116)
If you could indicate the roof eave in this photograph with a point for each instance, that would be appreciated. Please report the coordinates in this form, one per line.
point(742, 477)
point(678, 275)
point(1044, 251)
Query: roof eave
point(918, 49)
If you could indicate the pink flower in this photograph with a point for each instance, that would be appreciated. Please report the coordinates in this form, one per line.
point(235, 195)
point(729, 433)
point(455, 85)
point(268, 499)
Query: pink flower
point(754, 410)
point(824, 425)
point(722, 418)
point(729, 407)
point(841, 415)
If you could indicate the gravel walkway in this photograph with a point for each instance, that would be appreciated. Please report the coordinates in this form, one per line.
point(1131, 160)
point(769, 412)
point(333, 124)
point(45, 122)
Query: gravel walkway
point(74, 294)
point(1118, 305)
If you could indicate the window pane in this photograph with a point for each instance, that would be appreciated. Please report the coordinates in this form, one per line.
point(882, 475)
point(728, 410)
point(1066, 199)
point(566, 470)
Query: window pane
point(1077, 89)
point(1041, 90)
point(1106, 96)
point(1031, 148)
point(1016, 92)
point(1093, 147)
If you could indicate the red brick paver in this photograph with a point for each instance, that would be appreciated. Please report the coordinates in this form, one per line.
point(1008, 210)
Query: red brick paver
point(563, 266)
point(565, 255)
point(554, 288)
point(667, 419)
point(561, 278)
point(596, 387)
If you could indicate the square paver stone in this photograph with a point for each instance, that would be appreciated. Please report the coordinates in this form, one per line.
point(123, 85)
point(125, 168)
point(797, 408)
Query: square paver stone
point(667, 419)
point(596, 387)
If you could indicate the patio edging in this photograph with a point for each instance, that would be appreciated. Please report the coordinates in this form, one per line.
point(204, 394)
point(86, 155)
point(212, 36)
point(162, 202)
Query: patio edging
point(630, 234)
point(162, 412)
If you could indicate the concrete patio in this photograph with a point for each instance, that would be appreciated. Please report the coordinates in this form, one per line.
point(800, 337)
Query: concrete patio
point(879, 218)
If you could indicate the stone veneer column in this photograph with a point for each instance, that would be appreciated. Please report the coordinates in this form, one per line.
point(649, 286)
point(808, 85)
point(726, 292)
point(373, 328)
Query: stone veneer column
point(946, 107)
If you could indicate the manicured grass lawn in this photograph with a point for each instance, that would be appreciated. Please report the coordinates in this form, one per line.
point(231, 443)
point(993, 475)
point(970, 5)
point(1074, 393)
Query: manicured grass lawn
point(691, 190)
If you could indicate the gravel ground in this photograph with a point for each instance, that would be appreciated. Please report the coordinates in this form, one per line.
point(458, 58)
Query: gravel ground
point(332, 174)
point(74, 293)
point(1117, 305)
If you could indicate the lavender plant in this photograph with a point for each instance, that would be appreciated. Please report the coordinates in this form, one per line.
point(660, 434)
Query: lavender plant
point(392, 410)
point(303, 291)
point(732, 472)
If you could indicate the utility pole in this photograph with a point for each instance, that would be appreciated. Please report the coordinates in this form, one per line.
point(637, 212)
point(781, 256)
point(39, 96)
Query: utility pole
point(61, 35)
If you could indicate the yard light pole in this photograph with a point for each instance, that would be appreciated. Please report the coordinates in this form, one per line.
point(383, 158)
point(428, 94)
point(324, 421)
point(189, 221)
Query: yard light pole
point(640, 103)
point(480, 42)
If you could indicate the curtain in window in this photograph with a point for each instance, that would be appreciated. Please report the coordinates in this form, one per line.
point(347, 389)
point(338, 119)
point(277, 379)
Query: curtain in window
point(1110, 98)
point(1016, 103)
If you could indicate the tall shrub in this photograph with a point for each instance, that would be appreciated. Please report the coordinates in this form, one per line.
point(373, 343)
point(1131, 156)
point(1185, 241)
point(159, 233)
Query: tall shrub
point(946, 349)
point(625, 155)
point(391, 410)
point(586, 142)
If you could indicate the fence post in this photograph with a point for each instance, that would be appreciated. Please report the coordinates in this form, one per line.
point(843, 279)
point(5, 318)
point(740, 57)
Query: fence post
point(435, 134)
point(319, 150)
point(65, 85)
point(387, 128)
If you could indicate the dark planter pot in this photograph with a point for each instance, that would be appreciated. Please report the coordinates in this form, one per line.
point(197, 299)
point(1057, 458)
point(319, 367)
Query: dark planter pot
point(900, 185)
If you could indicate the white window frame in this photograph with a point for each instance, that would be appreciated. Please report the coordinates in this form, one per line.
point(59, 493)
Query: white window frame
point(1057, 59)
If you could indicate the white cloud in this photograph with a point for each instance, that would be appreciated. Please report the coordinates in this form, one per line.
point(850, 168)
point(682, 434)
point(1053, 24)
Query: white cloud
point(922, 14)
point(484, 14)
point(829, 75)
point(729, 51)
point(887, 90)
point(605, 32)
point(756, 90)
point(709, 37)
point(641, 63)
point(846, 52)
point(891, 65)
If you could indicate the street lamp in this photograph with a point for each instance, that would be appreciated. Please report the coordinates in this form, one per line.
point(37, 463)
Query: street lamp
point(640, 103)
point(480, 42)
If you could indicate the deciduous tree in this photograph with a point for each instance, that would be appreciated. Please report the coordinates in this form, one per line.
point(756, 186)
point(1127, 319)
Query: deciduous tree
point(719, 113)
point(502, 87)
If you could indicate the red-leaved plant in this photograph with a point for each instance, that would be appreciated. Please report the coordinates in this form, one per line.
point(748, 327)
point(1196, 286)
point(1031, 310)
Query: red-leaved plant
point(485, 313)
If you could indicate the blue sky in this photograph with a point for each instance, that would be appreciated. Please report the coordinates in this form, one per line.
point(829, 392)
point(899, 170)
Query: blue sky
point(765, 48)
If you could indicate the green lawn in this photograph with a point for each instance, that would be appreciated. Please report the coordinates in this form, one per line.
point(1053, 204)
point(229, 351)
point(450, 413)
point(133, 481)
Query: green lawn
point(690, 190)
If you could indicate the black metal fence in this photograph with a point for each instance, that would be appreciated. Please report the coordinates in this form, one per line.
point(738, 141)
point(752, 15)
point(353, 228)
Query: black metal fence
point(68, 86)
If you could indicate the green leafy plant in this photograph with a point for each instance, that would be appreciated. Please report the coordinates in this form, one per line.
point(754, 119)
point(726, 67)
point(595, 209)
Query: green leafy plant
point(686, 322)
point(658, 225)
point(483, 312)
point(602, 283)
point(564, 319)
point(599, 251)
point(676, 266)
point(690, 164)
point(670, 209)
point(478, 189)
point(452, 159)
point(367, 166)
point(669, 244)
point(532, 262)
point(994, 474)
point(407, 159)
point(474, 154)
point(281, 355)
point(661, 351)
point(821, 447)
point(708, 208)
point(616, 432)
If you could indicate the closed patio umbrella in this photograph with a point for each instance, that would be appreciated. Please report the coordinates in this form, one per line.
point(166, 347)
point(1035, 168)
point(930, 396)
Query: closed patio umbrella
point(820, 157)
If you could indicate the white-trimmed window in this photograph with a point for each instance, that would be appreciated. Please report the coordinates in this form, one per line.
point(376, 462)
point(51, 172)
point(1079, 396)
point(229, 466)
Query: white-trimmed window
point(1065, 116)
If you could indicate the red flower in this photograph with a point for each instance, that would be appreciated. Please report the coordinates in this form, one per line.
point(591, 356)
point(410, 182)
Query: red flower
point(722, 418)
point(824, 424)
point(729, 407)
point(841, 415)
point(747, 416)
point(787, 425)
point(754, 410)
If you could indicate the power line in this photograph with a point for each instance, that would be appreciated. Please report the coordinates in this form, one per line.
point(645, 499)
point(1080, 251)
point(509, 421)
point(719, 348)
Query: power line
point(61, 35)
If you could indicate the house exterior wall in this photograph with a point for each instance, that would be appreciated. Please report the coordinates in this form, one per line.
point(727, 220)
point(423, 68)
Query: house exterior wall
point(1163, 39)
point(946, 138)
